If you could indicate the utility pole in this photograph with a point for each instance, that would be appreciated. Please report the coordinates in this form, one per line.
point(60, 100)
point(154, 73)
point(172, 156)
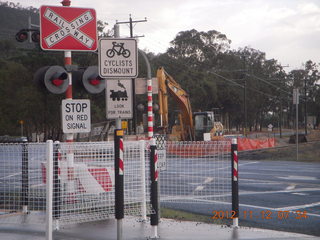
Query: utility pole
point(131, 22)
point(305, 107)
point(245, 98)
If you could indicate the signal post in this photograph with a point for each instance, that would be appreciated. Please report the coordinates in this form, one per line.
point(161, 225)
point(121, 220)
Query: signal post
point(118, 62)
point(70, 36)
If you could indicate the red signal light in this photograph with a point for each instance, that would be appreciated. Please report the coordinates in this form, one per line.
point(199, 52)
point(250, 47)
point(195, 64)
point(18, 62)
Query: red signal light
point(22, 36)
point(59, 78)
point(96, 80)
point(35, 36)
point(57, 82)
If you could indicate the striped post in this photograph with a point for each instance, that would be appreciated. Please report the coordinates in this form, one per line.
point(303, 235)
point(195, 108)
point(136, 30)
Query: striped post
point(118, 174)
point(235, 178)
point(121, 156)
point(154, 173)
point(150, 115)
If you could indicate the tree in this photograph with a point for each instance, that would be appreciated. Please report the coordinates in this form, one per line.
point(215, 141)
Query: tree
point(198, 47)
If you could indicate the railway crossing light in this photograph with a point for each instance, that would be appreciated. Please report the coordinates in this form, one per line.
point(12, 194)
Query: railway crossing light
point(89, 79)
point(53, 78)
point(35, 36)
point(23, 35)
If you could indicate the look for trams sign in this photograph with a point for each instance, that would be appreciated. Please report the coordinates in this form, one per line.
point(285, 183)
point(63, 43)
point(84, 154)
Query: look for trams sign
point(66, 28)
point(119, 99)
point(76, 116)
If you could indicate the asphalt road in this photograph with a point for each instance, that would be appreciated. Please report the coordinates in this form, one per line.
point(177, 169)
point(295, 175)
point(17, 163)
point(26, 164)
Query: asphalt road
point(272, 194)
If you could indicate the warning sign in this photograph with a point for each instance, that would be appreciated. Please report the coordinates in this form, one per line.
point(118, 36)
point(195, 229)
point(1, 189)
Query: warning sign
point(68, 28)
point(119, 99)
point(118, 58)
point(76, 116)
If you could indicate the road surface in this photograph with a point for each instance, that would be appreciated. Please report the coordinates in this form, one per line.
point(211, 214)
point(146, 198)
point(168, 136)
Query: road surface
point(281, 195)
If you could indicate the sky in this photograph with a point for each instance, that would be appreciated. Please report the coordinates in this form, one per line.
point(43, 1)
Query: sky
point(286, 30)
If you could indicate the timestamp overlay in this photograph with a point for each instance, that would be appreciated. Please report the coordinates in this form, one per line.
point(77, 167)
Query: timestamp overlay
point(278, 195)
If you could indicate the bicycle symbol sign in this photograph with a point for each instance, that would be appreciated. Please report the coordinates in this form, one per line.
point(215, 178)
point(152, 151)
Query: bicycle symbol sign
point(118, 49)
point(118, 58)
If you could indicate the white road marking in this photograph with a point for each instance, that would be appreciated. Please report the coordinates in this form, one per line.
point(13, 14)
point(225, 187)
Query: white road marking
point(199, 188)
point(248, 163)
point(208, 179)
point(299, 178)
point(299, 206)
point(291, 187)
point(38, 185)
point(12, 175)
point(280, 191)
point(301, 194)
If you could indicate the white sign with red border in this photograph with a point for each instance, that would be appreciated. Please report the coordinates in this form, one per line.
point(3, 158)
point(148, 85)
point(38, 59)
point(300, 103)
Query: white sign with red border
point(68, 28)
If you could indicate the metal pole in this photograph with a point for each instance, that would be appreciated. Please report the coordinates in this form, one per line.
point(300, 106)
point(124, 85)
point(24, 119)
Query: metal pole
point(118, 167)
point(297, 130)
point(25, 178)
point(21, 126)
point(56, 184)
point(49, 189)
point(29, 27)
point(245, 107)
point(69, 136)
point(143, 181)
point(235, 178)
point(149, 88)
point(154, 174)
point(280, 125)
point(119, 188)
point(305, 107)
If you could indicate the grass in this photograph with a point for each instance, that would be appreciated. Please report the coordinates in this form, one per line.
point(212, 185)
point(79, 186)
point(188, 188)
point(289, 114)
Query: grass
point(308, 152)
point(188, 216)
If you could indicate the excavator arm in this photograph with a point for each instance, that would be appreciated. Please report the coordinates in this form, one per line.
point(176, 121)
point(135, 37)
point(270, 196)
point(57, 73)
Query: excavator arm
point(168, 85)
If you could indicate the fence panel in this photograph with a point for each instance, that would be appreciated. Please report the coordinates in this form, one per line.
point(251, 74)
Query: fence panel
point(83, 182)
point(86, 179)
point(22, 189)
point(196, 173)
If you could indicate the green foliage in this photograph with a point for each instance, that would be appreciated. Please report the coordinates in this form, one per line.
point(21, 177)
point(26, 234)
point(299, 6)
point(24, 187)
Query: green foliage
point(215, 76)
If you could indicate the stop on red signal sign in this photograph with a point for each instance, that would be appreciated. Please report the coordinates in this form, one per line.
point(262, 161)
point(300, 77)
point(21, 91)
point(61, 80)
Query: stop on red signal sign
point(68, 28)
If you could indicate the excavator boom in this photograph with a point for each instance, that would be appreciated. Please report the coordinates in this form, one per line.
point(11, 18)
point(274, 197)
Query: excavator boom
point(168, 85)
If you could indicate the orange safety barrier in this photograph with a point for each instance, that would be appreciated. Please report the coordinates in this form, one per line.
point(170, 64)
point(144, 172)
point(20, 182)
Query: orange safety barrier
point(252, 144)
point(201, 149)
point(197, 149)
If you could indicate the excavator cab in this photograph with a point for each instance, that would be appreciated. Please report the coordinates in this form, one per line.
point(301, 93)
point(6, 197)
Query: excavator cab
point(203, 123)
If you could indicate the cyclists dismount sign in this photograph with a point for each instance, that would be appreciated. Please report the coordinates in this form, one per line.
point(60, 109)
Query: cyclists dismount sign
point(118, 58)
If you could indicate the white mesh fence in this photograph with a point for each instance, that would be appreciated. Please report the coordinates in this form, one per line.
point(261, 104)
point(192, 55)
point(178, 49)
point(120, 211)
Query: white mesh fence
point(196, 172)
point(22, 188)
point(86, 189)
point(83, 182)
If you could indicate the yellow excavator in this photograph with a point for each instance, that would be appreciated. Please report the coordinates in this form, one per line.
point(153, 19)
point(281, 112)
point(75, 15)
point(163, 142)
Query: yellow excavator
point(189, 125)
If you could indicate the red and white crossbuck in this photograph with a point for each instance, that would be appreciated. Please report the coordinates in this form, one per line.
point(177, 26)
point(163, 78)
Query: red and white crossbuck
point(66, 28)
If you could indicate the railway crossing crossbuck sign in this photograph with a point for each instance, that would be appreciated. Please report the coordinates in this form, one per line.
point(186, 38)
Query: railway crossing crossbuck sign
point(67, 28)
